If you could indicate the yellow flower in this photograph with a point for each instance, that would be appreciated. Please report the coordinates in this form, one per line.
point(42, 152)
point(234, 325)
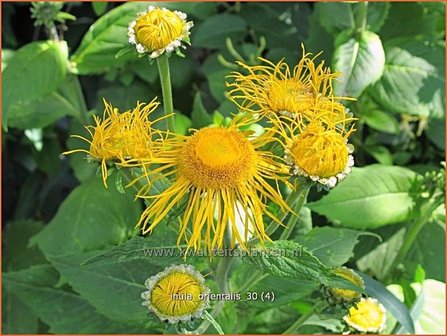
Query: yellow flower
point(318, 150)
point(272, 89)
point(368, 315)
point(158, 31)
point(346, 294)
point(224, 175)
point(125, 139)
point(176, 294)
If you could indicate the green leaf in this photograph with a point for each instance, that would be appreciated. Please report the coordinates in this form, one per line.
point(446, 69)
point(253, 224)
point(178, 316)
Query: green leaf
point(379, 259)
point(17, 318)
point(408, 19)
point(215, 29)
point(182, 123)
point(65, 312)
point(16, 253)
point(429, 315)
point(332, 246)
point(430, 255)
point(99, 7)
point(83, 170)
point(105, 38)
point(390, 302)
point(370, 197)
point(7, 55)
point(291, 260)
point(360, 60)
point(35, 70)
point(382, 121)
point(436, 132)
point(216, 83)
point(413, 80)
point(125, 98)
point(339, 16)
point(199, 116)
point(113, 289)
point(380, 153)
point(91, 217)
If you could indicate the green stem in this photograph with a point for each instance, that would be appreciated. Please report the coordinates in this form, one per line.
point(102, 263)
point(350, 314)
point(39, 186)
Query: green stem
point(216, 325)
point(410, 236)
point(361, 17)
point(296, 201)
point(165, 79)
point(293, 199)
point(293, 218)
point(303, 318)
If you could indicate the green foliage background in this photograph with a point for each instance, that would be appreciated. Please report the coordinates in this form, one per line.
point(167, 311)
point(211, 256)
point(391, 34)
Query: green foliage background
point(72, 260)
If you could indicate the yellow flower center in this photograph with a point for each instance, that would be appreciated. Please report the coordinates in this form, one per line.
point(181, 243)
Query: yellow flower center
point(177, 294)
point(158, 28)
point(289, 95)
point(320, 152)
point(367, 316)
point(217, 158)
point(350, 275)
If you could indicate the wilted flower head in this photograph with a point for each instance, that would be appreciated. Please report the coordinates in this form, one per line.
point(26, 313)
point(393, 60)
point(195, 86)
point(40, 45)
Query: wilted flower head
point(176, 294)
point(273, 89)
point(340, 294)
point(158, 31)
point(367, 316)
point(125, 139)
point(224, 175)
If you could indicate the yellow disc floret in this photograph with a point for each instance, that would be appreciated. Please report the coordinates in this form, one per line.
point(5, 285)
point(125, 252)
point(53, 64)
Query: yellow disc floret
point(159, 30)
point(320, 152)
point(176, 294)
point(217, 158)
point(368, 315)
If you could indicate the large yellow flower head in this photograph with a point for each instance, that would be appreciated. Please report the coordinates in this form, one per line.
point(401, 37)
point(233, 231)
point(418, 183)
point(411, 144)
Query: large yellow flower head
point(158, 31)
point(125, 139)
point(224, 175)
point(273, 89)
point(176, 294)
point(367, 316)
point(318, 150)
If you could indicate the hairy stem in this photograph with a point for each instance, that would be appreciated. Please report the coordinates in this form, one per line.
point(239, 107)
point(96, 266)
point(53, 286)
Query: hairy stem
point(166, 88)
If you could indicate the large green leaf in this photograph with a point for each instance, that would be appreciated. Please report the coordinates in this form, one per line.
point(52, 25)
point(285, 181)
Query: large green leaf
point(107, 36)
point(113, 289)
point(17, 318)
point(360, 59)
point(41, 112)
point(333, 246)
point(215, 29)
point(65, 312)
point(91, 217)
point(413, 80)
point(370, 197)
point(289, 259)
point(35, 70)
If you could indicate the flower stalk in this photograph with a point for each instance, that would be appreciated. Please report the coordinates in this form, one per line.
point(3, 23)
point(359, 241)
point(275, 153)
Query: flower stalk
point(303, 318)
point(166, 88)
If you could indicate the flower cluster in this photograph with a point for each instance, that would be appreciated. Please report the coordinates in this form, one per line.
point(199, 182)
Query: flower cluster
point(227, 180)
point(313, 124)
